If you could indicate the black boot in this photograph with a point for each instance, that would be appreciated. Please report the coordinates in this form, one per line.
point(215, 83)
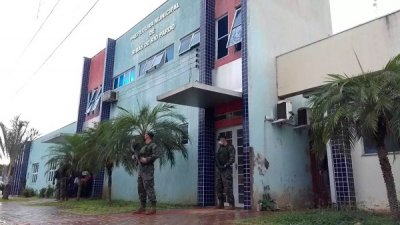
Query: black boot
point(152, 210)
point(141, 210)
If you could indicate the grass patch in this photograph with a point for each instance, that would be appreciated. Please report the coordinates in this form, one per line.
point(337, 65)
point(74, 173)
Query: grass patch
point(320, 217)
point(103, 207)
point(18, 199)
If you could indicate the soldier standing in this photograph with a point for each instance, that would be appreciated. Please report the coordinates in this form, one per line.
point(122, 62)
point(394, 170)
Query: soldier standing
point(224, 159)
point(146, 157)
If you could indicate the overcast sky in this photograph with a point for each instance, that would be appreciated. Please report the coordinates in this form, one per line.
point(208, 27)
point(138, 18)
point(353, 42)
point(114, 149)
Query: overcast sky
point(47, 94)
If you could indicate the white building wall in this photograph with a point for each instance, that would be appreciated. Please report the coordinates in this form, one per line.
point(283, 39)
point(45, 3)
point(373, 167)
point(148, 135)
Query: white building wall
point(307, 67)
point(229, 76)
point(368, 180)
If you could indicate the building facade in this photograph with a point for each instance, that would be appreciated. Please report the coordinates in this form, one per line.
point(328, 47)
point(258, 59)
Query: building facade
point(227, 65)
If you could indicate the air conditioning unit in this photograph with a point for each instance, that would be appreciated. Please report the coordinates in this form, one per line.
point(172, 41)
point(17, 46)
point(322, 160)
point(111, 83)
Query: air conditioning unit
point(303, 117)
point(110, 96)
point(284, 110)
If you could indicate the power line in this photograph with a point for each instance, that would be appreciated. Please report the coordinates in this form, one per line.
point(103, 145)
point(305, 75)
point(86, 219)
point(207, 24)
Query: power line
point(38, 30)
point(56, 48)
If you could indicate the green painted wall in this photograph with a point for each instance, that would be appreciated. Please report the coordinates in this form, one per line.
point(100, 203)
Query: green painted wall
point(177, 184)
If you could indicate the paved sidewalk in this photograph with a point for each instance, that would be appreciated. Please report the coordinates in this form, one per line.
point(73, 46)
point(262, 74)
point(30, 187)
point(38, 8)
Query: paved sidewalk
point(22, 213)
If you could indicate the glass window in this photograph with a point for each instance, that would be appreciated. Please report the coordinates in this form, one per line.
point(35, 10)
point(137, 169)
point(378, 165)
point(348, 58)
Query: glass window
point(390, 144)
point(35, 170)
point(149, 63)
point(132, 75)
point(235, 36)
point(158, 59)
point(222, 37)
point(169, 53)
point(126, 77)
point(185, 44)
point(195, 39)
point(142, 67)
point(121, 80)
point(115, 82)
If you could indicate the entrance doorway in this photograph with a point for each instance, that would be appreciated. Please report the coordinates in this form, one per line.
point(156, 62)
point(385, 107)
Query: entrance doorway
point(234, 136)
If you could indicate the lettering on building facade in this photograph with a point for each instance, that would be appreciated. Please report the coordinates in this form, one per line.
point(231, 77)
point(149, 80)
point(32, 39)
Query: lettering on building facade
point(154, 36)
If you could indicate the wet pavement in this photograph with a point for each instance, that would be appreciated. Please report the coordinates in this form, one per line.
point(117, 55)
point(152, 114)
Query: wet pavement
point(22, 213)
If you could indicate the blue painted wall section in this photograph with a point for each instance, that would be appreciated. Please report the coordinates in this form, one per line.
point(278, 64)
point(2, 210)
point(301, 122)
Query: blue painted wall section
point(245, 100)
point(206, 143)
point(20, 171)
point(343, 173)
point(84, 95)
point(105, 108)
point(108, 77)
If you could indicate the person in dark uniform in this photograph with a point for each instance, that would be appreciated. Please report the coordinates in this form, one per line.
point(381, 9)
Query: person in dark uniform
point(225, 157)
point(146, 157)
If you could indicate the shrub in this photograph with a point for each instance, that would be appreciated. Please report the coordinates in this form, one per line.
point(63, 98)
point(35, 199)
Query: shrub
point(28, 192)
point(42, 193)
point(49, 192)
point(1, 187)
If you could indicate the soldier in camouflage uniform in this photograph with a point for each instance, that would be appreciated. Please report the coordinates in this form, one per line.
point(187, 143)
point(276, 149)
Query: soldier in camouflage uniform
point(225, 157)
point(146, 157)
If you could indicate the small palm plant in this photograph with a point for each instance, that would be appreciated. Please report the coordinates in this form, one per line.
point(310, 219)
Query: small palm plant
point(105, 147)
point(363, 106)
point(66, 156)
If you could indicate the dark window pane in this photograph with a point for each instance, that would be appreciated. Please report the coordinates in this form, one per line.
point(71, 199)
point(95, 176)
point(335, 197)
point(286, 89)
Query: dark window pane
point(169, 53)
point(228, 134)
point(185, 128)
point(115, 81)
point(238, 46)
point(240, 133)
point(222, 27)
point(240, 141)
point(222, 50)
point(240, 151)
point(121, 81)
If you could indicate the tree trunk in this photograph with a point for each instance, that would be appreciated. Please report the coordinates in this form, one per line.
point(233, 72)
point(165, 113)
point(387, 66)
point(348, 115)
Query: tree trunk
point(7, 187)
point(109, 173)
point(389, 181)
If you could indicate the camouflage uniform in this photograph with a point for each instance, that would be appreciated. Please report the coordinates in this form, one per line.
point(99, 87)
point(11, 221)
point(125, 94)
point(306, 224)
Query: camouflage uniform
point(224, 159)
point(146, 173)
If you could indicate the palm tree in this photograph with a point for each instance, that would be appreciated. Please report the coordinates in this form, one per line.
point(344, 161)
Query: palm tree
point(163, 121)
point(12, 142)
point(66, 156)
point(105, 147)
point(363, 106)
point(109, 142)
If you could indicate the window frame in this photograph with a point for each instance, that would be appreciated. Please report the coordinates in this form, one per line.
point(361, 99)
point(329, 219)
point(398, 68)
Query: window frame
point(388, 142)
point(191, 43)
point(190, 37)
point(52, 170)
point(127, 78)
point(228, 45)
point(217, 39)
point(152, 58)
point(35, 172)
